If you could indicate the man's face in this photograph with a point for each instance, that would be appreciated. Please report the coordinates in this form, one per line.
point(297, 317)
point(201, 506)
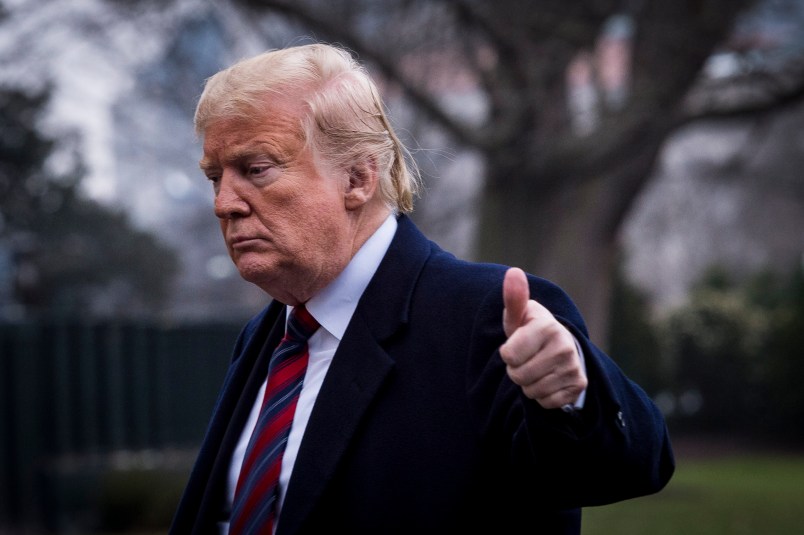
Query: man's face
point(281, 208)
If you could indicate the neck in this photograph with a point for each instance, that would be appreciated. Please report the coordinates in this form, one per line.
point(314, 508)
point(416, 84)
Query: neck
point(365, 225)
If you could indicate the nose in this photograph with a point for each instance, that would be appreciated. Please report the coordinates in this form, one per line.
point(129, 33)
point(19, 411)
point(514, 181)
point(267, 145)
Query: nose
point(229, 202)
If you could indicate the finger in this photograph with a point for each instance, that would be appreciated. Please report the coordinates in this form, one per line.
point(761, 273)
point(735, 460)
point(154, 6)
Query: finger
point(553, 377)
point(515, 299)
point(555, 362)
point(557, 399)
point(528, 339)
point(556, 389)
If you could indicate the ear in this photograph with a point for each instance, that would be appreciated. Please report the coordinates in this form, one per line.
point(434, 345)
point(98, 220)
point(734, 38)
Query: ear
point(361, 184)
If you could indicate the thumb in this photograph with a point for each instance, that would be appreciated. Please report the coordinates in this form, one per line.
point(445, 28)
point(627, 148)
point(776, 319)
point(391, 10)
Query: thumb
point(516, 293)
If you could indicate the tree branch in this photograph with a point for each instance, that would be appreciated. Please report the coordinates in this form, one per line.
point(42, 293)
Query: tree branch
point(747, 94)
point(386, 65)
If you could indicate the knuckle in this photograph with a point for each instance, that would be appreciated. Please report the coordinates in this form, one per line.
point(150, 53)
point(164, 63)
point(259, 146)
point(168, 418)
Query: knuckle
point(536, 394)
point(505, 352)
point(516, 375)
point(583, 382)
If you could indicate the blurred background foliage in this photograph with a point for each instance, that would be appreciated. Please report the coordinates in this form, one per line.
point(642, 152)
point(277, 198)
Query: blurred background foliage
point(70, 255)
point(725, 363)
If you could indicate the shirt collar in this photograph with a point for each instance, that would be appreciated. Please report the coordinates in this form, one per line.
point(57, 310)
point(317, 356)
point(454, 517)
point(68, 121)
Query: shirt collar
point(334, 306)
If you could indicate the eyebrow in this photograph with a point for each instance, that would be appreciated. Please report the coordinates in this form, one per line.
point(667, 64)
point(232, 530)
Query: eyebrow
point(246, 152)
point(205, 164)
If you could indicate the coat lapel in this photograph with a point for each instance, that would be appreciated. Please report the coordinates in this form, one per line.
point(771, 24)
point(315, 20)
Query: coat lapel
point(358, 370)
point(240, 388)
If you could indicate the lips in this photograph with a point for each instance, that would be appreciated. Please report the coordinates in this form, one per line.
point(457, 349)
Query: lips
point(244, 242)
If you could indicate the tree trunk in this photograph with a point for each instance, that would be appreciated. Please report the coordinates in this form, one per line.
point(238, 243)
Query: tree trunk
point(565, 237)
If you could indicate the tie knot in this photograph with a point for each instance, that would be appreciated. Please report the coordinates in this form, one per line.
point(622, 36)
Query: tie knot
point(301, 324)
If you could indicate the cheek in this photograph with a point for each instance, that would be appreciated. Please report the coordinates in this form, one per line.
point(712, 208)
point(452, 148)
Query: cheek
point(328, 220)
point(313, 210)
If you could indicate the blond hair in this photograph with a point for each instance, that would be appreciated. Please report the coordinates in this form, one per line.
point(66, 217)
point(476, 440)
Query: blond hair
point(346, 122)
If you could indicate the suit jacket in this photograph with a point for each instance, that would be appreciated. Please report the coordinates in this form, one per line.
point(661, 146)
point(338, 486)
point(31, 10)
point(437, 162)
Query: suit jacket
point(417, 428)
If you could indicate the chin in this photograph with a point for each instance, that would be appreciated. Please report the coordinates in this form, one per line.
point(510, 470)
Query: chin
point(257, 275)
point(251, 275)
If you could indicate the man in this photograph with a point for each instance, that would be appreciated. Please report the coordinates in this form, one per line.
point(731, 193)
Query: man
point(439, 396)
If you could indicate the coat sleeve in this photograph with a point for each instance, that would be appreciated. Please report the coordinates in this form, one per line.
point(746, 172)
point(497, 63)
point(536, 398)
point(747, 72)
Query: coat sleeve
point(617, 447)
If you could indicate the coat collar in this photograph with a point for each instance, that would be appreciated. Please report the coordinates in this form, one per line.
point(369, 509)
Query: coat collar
point(358, 370)
point(385, 305)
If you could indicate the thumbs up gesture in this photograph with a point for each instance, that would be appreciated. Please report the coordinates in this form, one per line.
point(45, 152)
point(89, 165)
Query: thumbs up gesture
point(540, 353)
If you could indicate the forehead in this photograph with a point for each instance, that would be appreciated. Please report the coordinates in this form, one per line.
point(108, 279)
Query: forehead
point(279, 126)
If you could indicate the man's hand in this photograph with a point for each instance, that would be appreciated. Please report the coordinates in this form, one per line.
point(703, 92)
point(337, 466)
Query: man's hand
point(540, 353)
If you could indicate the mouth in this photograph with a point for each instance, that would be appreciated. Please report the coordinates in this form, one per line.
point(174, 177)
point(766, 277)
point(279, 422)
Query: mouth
point(244, 242)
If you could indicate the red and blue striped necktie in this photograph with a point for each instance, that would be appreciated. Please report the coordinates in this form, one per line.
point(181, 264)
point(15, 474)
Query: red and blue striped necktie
point(257, 491)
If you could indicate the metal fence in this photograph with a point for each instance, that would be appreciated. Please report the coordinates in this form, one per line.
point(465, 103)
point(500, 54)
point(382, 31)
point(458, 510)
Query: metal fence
point(79, 390)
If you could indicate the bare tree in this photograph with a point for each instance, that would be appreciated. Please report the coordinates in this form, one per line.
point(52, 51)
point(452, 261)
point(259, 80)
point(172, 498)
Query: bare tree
point(554, 196)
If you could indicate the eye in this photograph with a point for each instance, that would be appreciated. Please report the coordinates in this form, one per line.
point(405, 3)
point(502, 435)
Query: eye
point(215, 180)
point(261, 173)
point(258, 170)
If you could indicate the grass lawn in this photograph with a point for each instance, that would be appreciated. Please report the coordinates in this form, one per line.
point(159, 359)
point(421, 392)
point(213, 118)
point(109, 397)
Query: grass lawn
point(733, 494)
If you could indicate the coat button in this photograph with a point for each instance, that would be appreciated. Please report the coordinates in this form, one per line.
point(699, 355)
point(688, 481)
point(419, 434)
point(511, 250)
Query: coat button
point(620, 419)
